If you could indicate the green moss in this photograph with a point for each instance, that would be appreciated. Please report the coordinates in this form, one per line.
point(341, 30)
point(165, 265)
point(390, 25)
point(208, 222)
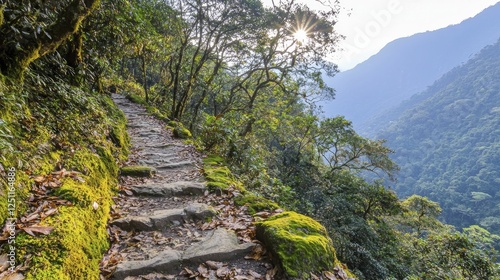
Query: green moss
point(218, 175)
point(299, 243)
point(137, 171)
point(179, 130)
point(85, 133)
point(182, 132)
point(74, 249)
point(2, 7)
point(255, 203)
point(136, 98)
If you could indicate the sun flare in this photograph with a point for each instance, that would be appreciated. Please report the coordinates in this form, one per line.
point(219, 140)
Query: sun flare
point(300, 35)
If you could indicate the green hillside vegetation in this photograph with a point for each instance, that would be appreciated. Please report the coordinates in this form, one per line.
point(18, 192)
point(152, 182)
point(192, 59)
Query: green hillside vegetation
point(448, 144)
point(234, 75)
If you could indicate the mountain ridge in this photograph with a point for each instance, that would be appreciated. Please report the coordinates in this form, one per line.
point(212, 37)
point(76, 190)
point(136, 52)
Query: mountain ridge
point(407, 66)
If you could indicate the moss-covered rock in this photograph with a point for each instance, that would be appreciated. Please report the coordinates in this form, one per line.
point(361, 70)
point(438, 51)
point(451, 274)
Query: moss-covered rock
point(218, 175)
point(182, 132)
point(299, 244)
point(179, 130)
point(255, 203)
point(137, 171)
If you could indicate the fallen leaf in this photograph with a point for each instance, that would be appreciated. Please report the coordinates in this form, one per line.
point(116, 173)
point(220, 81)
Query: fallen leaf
point(49, 212)
point(128, 192)
point(329, 275)
point(314, 277)
point(79, 179)
point(223, 271)
point(203, 270)
point(38, 229)
point(263, 214)
point(190, 272)
point(214, 265)
point(271, 273)
point(254, 274)
point(4, 262)
point(7, 275)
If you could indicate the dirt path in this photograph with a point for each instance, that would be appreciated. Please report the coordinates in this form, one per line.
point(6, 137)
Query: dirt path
point(160, 225)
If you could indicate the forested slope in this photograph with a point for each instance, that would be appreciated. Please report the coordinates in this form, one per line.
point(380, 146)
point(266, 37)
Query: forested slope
point(448, 143)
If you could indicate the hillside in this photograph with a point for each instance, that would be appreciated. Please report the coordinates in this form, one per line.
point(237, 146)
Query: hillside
point(407, 66)
point(447, 144)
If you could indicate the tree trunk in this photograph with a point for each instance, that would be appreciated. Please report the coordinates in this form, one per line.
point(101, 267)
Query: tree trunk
point(14, 61)
point(74, 54)
point(144, 77)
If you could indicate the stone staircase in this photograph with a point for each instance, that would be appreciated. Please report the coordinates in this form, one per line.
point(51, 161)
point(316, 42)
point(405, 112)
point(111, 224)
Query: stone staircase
point(157, 229)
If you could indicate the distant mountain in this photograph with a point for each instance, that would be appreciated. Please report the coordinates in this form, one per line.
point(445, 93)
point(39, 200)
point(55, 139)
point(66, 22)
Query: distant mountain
point(447, 142)
point(407, 66)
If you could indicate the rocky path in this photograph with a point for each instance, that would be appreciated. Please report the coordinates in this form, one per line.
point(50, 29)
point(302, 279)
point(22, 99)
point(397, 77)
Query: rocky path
point(160, 227)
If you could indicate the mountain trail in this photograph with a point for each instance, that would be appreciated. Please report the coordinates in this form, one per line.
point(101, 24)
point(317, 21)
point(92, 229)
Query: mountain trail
point(168, 225)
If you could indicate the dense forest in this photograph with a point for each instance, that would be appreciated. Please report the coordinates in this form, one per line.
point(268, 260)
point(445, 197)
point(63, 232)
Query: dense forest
point(450, 150)
point(239, 76)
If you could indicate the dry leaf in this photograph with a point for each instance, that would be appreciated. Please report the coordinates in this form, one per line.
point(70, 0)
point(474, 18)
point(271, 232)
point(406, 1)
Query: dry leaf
point(50, 212)
point(4, 262)
point(263, 214)
point(271, 273)
point(190, 272)
point(254, 274)
point(7, 275)
point(223, 271)
point(38, 229)
point(203, 270)
point(128, 192)
point(329, 275)
point(314, 277)
point(214, 265)
point(79, 179)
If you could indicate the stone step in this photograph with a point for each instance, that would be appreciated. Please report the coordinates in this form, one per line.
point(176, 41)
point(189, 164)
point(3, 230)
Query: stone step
point(164, 145)
point(181, 188)
point(155, 162)
point(220, 245)
point(175, 165)
point(164, 219)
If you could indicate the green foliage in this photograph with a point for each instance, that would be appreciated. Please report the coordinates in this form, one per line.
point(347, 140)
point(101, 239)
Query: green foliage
point(421, 213)
point(255, 203)
point(343, 148)
point(453, 256)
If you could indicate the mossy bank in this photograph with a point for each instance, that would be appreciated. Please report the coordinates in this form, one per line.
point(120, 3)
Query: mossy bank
point(47, 126)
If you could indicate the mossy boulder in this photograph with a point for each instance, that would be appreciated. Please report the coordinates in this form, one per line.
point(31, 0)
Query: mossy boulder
point(182, 132)
point(179, 130)
point(299, 244)
point(218, 175)
point(137, 171)
point(255, 203)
